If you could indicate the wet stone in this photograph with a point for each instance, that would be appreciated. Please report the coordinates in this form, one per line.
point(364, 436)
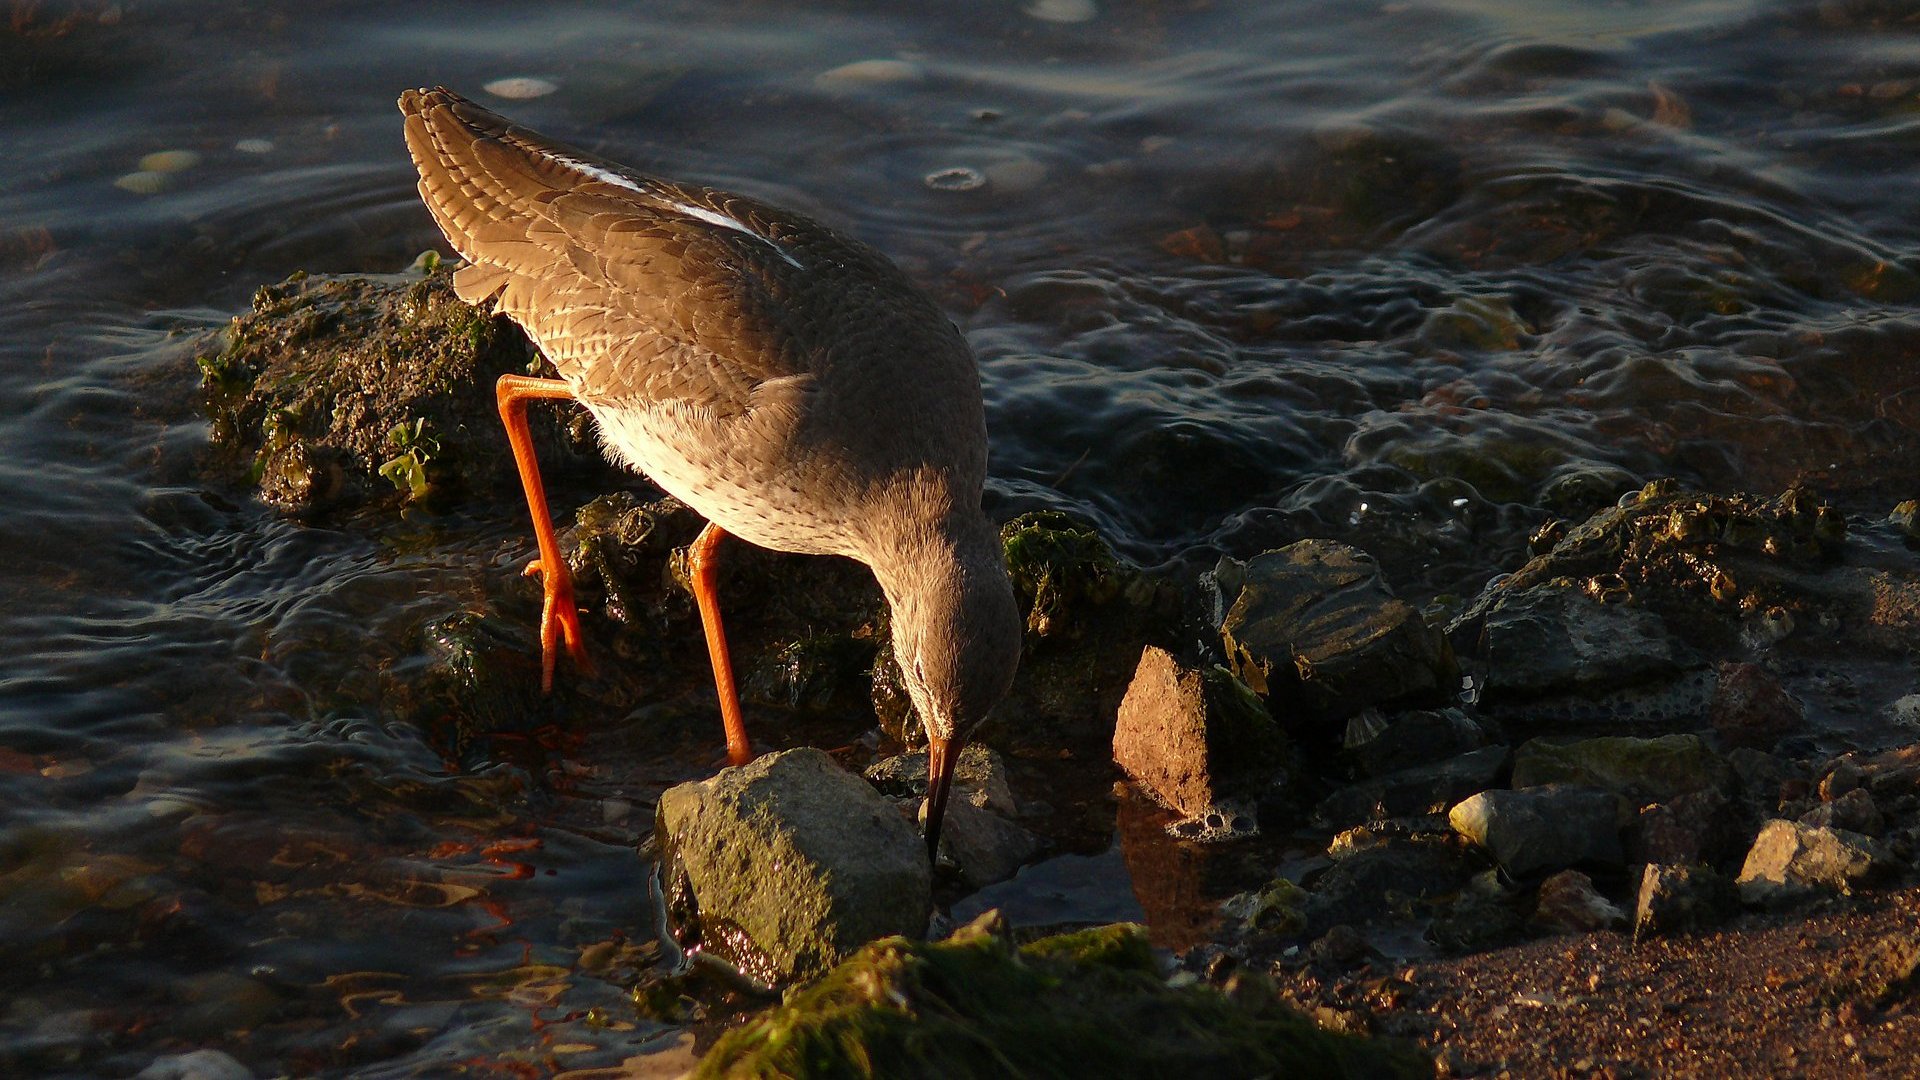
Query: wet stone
point(1194, 738)
point(1385, 880)
point(1315, 627)
point(788, 864)
point(1428, 789)
point(1540, 829)
point(1411, 739)
point(979, 778)
point(984, 846)
point(1640, 770)
point(1751, 708)
point(1681, 897)
point(1567, 903)
point(1550, 640)
point(197, 1065)
point(1788, 857)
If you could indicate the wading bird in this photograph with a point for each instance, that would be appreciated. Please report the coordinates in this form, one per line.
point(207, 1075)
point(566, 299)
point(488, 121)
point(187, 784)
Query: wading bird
point(788, 383)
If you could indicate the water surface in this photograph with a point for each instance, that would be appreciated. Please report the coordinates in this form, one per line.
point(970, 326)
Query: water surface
point(1413, 275)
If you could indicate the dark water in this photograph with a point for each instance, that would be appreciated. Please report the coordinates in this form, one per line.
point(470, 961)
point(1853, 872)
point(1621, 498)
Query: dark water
point(1414, 275)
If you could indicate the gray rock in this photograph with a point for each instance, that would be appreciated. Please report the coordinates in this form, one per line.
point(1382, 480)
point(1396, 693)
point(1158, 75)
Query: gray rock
point(1640, 770)
point(1193, 738)
point(1549, 640)
point(198, 1065)
point(1855, 812)
point(1315, 624)
point(790, 863)
point(1567, 903)
point(985, 846)
point(1381, 880)
point(979, 778)
point(1412, 739)
point(1541, 829)
point(1679, 897)
point(1428, 789)
point(1788, 857)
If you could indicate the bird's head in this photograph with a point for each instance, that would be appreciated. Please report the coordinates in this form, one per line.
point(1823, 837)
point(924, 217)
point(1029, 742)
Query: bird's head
point(956, 636)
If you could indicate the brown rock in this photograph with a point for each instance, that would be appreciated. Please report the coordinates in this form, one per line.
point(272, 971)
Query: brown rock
point(1568, 903)
point(1193, 737)
point(1751, 708)
point(1698, 827)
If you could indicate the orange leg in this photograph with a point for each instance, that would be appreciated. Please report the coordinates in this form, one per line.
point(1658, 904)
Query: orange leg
point(703, 567)
point(559, 619)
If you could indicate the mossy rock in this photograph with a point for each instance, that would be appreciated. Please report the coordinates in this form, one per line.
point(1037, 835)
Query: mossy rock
point(1091, 1003)
point(1703, 562)
point(1059, 567)
point(341, 388)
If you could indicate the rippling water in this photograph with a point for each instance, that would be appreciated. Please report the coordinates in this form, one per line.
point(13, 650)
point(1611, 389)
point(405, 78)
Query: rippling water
point(1415, 275)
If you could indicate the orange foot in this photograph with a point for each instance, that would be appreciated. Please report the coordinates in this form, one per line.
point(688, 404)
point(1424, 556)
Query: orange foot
point(559, 620)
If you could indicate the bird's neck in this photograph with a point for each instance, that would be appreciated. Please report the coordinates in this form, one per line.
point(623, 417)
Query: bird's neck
point(949, 552)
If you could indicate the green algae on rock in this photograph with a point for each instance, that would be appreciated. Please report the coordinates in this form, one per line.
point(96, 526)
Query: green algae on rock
point(341, 387)
point(1091, 1003)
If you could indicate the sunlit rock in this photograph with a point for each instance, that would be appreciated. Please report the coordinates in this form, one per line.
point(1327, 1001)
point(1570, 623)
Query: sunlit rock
point(788, 864)
point(1542, 829)
point(1195, 737)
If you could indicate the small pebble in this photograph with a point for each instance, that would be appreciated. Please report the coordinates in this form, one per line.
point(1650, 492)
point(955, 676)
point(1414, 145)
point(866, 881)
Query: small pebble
point(1063, 11)
point(520, 88)
point(254, 146)
point(169, 161)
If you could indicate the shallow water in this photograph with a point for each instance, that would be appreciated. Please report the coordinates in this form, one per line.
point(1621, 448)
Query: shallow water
point(1415, 275)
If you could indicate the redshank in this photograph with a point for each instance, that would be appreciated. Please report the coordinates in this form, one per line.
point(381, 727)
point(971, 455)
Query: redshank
point(788, 383)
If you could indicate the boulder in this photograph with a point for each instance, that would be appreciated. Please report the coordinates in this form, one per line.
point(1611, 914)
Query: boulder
point(1789, 857)
point(788, 864)
point(1419, 737)
point(1855, 812)
point(1314, 625)
point(1698, 827)
point(1567, 903)
point(1680, 896)
point(1540, 829)
point(1091, 1003)
point(1427, 789)
point(1639, 770)
point(1193, 738)
point(983, 845)
point(1550, 640)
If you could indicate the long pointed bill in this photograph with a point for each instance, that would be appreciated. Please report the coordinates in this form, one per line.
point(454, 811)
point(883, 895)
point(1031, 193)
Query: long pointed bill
point(941, 756)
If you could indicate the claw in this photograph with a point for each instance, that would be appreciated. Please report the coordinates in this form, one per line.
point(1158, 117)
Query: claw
point(559, 622)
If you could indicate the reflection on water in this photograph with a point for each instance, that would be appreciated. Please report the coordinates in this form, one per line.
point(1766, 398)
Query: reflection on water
point(1411, 274)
